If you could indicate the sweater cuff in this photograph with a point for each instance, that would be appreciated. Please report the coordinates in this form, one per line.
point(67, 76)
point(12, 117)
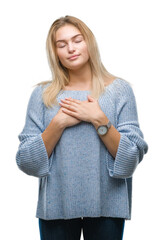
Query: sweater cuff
point(126, 160)
point(32, 157)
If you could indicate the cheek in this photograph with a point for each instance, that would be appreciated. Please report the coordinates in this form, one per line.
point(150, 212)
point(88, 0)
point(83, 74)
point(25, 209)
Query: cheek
point(60, 54)
point(84, 50)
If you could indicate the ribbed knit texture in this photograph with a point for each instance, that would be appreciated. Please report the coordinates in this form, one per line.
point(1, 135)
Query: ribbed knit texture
point(81, 178)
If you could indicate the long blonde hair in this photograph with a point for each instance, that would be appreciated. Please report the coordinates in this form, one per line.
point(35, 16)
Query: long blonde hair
point(60, 76)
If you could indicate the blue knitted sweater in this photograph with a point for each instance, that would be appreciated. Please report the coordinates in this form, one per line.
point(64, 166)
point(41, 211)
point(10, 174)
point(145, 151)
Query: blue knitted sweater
point(81, 178)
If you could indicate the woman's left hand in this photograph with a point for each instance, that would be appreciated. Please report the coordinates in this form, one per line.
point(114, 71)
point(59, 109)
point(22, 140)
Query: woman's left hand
point(83, 110)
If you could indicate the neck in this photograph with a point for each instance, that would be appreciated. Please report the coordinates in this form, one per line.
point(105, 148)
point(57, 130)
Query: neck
point(81, 77)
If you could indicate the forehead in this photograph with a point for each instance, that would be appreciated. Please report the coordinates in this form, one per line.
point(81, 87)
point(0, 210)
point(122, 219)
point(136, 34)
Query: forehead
point(66, 32)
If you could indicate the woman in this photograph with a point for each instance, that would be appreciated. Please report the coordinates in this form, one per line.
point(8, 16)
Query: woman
point(81, 139)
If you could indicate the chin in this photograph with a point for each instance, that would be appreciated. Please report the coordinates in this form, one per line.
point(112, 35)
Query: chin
point(80, 65)
point(76, 66)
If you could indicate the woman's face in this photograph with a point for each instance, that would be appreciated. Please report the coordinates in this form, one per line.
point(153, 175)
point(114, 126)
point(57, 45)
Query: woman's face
point(70, 42)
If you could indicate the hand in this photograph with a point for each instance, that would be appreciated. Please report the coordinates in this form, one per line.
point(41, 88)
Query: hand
point(66, 119)
point(83, 110)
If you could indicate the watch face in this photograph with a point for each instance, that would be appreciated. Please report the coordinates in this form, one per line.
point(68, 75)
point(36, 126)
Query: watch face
point(102, 130)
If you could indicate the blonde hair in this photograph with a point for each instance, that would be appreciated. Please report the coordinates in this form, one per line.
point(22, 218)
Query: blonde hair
point(60, 75)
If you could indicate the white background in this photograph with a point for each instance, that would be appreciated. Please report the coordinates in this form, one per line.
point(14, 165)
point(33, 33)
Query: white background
point(130, 38)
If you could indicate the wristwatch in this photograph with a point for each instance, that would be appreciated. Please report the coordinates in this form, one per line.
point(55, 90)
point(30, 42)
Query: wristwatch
point(103, 129)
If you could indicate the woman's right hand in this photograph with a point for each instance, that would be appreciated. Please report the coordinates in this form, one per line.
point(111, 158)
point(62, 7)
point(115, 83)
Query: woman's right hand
point(65, 119)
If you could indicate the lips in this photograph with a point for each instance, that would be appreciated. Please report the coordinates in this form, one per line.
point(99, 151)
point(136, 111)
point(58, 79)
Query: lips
point(74, 56)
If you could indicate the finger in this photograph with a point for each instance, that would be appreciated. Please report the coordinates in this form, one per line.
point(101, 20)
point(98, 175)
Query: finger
point(73, 100)
point(69, 98)
point(90, 98)
point(68, 102)
point(68, 106)
point(71, 113)
point(73, 103)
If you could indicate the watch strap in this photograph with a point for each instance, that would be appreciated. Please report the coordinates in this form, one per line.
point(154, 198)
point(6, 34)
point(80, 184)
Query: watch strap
point(109, 124)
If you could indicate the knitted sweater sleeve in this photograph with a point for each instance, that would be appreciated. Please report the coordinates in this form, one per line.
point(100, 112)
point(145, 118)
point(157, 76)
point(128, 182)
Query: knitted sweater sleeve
point(32, 157)
point(132, 145)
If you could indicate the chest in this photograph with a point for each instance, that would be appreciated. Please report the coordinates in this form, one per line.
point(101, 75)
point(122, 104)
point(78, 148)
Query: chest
point(106, 103)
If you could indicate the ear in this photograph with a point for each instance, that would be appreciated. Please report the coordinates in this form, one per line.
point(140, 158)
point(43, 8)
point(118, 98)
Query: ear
point(91, 99)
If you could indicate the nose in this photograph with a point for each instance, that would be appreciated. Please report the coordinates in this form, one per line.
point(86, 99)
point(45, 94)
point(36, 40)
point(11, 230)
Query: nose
point(71, 48)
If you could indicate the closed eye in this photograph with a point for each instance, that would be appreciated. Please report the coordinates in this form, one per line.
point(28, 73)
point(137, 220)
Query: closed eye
point(76, 41)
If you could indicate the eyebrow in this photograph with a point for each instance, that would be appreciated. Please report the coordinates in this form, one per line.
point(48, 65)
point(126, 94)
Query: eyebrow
point(62, 40)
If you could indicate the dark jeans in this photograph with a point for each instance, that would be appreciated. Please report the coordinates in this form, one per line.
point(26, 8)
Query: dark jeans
point(100, 228)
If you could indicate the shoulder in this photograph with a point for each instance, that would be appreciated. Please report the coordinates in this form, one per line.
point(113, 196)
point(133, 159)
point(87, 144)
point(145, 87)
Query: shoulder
point(122, 84)
point(36, 93)
point(36, 97)
point(122, 88)
point(117, 82)
point(39, 88)
point(121, 91)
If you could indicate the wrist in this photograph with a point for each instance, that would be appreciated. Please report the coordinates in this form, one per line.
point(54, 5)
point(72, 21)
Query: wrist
point(101, 119)
point(59, 123)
